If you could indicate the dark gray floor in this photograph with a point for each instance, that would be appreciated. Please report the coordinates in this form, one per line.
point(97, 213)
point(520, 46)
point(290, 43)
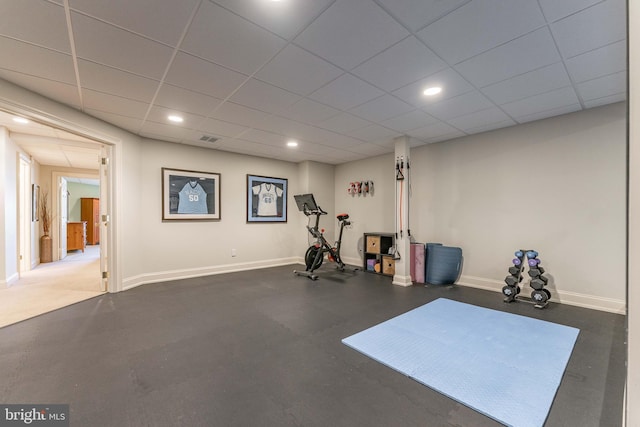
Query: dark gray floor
point(262, 348)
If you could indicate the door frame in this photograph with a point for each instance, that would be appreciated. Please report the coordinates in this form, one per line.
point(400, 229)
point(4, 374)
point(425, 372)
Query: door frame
point(56, 177)
point(25, 218)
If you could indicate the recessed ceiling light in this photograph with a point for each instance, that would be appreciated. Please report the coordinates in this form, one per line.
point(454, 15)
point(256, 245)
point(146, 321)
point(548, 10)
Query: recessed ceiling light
point(432, 91)
point(292, 143)
point(176, 119)
point(21, 120)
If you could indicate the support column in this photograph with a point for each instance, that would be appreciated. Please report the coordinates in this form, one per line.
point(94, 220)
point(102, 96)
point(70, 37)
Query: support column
point(632, 415)
point(402, 276)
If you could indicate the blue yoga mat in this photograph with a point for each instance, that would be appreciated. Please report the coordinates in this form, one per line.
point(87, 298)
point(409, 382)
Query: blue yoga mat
point(505, 366)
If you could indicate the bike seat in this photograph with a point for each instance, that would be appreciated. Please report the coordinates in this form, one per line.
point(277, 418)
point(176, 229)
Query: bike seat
point(342, 217)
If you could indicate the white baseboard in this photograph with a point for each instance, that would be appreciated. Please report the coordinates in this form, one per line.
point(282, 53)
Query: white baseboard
point(9, 281)
point(165, 276)
point(571, 298)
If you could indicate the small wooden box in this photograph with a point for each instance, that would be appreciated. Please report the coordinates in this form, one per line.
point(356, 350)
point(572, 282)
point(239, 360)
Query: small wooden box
point(373, 244)
point(388, 265)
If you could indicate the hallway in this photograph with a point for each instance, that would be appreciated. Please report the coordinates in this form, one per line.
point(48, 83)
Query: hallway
point(52, 286)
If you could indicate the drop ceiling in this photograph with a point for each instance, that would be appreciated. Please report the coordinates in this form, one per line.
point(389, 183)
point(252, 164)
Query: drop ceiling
point(341, 77)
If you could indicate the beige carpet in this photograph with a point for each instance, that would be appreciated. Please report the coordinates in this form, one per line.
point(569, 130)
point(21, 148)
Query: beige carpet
point(52, 286)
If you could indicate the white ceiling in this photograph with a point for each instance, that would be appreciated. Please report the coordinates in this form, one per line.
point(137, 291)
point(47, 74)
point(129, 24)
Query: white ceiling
point(342, 77)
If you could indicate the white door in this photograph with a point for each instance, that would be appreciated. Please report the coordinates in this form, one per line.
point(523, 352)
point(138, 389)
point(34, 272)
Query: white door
point(105, 210)
point(64, 212)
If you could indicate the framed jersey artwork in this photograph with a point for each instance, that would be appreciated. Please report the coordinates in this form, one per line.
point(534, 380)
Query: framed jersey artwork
point(266, 199)
point(190, 195)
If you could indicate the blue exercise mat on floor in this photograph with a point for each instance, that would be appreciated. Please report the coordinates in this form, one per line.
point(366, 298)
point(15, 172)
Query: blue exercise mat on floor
point(503, 365)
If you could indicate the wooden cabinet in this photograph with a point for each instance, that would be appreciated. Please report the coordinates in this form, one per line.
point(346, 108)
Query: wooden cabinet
point(90, 212)
point(377, 258)
point(76, 235)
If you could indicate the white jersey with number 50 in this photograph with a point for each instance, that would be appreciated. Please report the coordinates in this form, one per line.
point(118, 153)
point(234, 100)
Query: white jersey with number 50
point(192, 199)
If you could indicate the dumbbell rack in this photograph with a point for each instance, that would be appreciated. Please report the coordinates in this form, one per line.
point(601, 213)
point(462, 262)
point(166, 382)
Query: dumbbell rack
point(539, 296)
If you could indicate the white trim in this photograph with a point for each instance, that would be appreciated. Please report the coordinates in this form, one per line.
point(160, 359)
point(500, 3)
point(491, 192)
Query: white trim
point(571, 298)
point(402, 280)
point(164, 276)
point(37, 107)
point(10, 280)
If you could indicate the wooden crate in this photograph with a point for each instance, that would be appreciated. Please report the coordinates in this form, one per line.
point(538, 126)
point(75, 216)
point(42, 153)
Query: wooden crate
point(373, 244)
point(388, 265)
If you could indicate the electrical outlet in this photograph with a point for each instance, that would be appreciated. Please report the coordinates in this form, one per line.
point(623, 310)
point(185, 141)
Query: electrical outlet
point(233, 252)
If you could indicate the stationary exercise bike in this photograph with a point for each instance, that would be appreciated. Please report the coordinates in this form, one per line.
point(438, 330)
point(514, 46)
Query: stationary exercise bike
point(314, 256)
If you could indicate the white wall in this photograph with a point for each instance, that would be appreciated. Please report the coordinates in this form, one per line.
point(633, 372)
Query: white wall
point(76, 192)
point(181, 249)
point(556, 186)
point(9, 214)
point(318, 179)
point(371, 212)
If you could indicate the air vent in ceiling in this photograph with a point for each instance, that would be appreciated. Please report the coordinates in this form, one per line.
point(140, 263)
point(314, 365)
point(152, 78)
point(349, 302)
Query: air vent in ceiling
point(208, 138)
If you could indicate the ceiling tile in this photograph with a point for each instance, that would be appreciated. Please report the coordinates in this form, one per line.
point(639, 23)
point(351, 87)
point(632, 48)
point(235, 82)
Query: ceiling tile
point(404, 63)
point(64, 93)
point(344, 123)
point(163, 131)
point(47, 26)
point(528, 84)
point(239, 114)
point(29, 59)
point(451, 82)
point(226, 39)
point(115, 82)
point(554, 9)
point(293, 129)
point(123, 122)
point(382, 108)
point(612, 84)
point(201, 76)
point(486, 24)
point(160, 115)
point(527, 53)
point(480, 121)
point(114, 104)
point(374, 133)
point(263, 96)
point(265, 137)
point(108, 45)
point(323, 150)
point(298, 71)
point(599, 62)
point(309, 111)
point(164, 22)
point(464, 104)
point(412, 120)
point(434, 130)
point(185, 100)
point(346, 92)
point(371, 150)
point(415, 14)
point(606, 100)
point(219, 127)
point(338, 33)
point(284, 18)
point(606, 21)
point(549, 113)
point(540, 103)
point(440, 138)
